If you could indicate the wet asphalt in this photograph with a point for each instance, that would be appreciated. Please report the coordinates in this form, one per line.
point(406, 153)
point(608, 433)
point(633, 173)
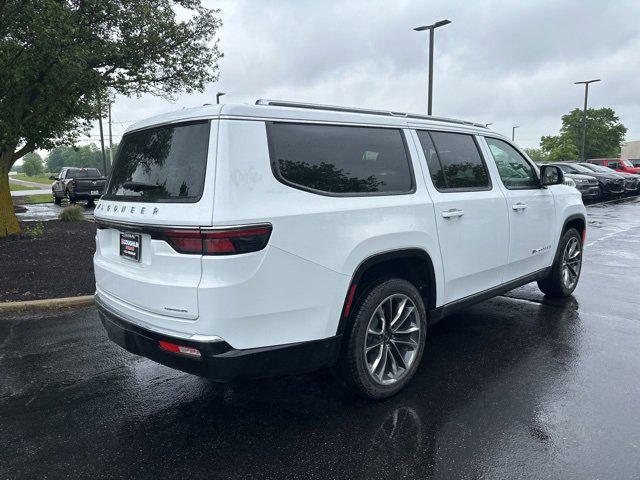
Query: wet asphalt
point(516, 387)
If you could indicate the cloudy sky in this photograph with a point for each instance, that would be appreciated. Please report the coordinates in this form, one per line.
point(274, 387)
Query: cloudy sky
point(509, 63)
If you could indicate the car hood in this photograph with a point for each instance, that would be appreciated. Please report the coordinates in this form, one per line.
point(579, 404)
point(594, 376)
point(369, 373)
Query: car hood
point(580, 176)
point(606, 176)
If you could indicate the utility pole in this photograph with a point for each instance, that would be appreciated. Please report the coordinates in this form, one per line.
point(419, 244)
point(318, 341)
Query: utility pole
point(110, 142)
point(104, 157)
point(431, 29)
point(513, 132)
point(584, 115)
point(218, 95)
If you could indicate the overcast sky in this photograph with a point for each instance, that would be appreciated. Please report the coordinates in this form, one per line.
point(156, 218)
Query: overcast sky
point(509, 63)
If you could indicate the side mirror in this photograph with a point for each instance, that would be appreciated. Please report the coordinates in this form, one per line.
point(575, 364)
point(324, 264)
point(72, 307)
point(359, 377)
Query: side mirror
point(53, 177)
point(550, 175)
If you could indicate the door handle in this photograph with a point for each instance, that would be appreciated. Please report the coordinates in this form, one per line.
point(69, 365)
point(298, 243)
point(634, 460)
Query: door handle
point(453, 212)
point(519, 206)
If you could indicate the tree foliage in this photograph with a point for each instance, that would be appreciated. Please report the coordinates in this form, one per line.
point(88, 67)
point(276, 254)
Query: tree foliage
point(32, 164)
point(58, 57)
point(604, 138)
point(84, 156)
point(535, 154)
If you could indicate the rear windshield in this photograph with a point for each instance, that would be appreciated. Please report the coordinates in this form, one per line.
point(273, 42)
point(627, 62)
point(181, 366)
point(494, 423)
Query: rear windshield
point(83, 173)
point(163, 164)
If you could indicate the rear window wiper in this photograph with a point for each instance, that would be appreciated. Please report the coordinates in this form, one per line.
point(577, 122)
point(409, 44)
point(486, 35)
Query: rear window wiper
point(140, 186)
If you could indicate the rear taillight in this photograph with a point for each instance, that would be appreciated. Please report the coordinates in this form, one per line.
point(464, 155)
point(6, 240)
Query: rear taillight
point(219, 241)
point(184, 241)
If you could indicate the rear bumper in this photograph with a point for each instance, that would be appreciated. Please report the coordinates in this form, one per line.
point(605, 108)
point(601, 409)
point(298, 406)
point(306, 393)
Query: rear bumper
point(86, 194)
point(219, 361)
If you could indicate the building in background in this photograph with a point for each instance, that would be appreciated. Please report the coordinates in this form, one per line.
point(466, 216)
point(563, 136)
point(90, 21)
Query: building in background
point(630, 150)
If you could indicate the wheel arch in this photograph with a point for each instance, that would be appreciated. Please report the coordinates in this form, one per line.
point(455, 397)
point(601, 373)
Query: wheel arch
point(412, 264)
point(577, 221)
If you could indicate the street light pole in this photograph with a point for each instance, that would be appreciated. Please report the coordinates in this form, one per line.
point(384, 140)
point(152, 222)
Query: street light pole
point(104, 157)
point(584, 114)
point(431, 29)
point(513, 132)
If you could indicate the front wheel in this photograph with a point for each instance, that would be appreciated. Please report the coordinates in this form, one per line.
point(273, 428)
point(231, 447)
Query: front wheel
point(385, 341)
point(565, 271)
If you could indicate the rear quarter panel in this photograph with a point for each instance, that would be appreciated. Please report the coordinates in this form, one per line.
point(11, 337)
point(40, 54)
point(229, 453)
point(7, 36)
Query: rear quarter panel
point(333, 233)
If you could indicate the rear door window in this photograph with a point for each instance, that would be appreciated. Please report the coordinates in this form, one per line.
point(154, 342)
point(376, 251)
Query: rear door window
point(340, 160)
point(162, 164)
point(454, 161)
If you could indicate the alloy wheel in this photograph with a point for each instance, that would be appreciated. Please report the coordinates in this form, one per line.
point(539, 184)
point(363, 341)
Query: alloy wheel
point(393, 339)
point(571, 263)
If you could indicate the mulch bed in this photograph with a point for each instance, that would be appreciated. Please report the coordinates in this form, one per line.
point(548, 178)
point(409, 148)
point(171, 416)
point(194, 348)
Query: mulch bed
point(57, 263)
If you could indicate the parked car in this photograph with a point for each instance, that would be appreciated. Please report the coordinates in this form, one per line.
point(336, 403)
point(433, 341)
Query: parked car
point(635, 162)
point(632, 182)
point(616, 164)
point(586, 184)
point(611, 184)
point(76, 183)
point(258, 240)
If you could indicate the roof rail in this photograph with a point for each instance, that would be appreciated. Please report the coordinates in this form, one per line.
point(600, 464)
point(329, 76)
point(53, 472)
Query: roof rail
point(388, 113)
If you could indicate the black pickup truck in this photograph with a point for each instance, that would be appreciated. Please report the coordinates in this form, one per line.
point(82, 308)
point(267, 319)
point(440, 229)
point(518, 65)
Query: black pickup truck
point(77, 183)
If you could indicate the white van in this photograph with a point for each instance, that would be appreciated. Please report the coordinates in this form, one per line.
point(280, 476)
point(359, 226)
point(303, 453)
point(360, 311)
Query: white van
point(256, 240)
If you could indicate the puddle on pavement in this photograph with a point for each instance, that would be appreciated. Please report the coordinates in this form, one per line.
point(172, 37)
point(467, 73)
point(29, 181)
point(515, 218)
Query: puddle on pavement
point(46, 211)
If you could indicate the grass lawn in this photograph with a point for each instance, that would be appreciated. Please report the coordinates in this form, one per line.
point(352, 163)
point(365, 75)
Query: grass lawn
point(31, 199)
point(44, 178)
point(16, 187)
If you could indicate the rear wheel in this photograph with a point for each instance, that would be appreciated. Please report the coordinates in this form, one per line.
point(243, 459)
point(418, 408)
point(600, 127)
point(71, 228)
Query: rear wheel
point(565, 272)
point(385, 341)
point(71, 198)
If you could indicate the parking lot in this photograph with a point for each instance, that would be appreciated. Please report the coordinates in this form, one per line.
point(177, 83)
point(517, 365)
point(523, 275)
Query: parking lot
point(518, 386)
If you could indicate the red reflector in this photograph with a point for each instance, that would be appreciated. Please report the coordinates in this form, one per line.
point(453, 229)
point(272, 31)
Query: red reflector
point(584, 235)
point(347, 305)
point(173, 348)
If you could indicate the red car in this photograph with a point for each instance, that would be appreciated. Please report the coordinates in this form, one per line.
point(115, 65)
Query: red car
point(616, 164)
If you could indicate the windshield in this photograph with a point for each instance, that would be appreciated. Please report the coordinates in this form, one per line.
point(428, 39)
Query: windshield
point(599, 168)
point(161, 164)
point(565, 168)
point(581, 169)
point(627, 163)
point(83, 173)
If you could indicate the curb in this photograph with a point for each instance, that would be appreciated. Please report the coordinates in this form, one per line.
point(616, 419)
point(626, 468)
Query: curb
point(46, 304)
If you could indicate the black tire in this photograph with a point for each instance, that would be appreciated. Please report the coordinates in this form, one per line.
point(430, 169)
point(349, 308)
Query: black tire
point(354, 361)
point(556, 284)
point(57, 200)
point(72, 199)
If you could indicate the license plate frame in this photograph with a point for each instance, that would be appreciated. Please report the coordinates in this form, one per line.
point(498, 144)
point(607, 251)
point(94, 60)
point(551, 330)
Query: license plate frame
point(130, 246)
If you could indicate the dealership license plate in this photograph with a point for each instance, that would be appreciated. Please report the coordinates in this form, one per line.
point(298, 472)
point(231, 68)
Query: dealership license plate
point(130, 246)
point(95, 192)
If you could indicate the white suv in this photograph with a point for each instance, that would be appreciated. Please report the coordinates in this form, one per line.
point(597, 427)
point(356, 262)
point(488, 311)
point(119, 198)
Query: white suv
point(257, 240)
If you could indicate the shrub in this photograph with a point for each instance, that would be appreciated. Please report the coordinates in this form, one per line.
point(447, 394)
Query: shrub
point(72, 213)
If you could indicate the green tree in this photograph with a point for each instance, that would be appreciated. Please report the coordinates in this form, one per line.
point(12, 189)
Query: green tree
point(536, 154)
point(605, 135)
point(59, 57)
point(32, 164)
point(559, 149)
